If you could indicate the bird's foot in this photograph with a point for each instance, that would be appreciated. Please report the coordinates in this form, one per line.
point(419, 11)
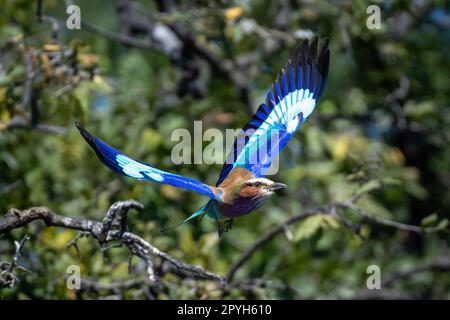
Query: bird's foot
point(225, 226)
point(228, 224)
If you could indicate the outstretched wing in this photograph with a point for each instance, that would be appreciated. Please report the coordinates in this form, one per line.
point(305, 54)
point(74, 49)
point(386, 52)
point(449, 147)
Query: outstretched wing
point(289, 103)
point(119, 162)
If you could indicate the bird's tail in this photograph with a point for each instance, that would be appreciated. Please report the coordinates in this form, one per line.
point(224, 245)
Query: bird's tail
point(200, 212)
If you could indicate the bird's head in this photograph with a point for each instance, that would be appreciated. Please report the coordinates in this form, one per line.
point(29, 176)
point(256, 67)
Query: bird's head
point(259, 188)
point(248, 196)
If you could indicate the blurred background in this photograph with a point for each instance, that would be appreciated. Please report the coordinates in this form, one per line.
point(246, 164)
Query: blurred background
point(137, 70)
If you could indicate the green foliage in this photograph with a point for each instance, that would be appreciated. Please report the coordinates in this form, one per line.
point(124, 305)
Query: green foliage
point(311, 225)
point(382, 130)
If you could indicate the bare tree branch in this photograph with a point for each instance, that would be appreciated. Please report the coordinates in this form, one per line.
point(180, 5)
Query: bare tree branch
point(20, 122)
point(383, 221)
point(387, 293)
point(326, 209)
point(8, 277)
point(18, 218)
point(439, 265)
point(114, 228)
point(53, 22)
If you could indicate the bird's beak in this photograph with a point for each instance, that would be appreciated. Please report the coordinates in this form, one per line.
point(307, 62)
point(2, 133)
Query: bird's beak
point(276, 186)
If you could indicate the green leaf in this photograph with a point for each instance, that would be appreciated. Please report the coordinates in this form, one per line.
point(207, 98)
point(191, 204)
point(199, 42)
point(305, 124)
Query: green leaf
point(330, 221)
point(430, 220)
point(370, 186)
point(443, 224)
point(308, 227)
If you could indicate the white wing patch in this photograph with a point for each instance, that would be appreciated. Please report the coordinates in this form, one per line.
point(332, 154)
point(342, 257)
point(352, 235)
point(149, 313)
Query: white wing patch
point(279, 115)
point(286, 110)
point(134, 169)
point(284, 113)
point(293, 125)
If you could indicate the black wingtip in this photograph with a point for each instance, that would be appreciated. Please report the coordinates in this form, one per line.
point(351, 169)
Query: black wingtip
point(86, 135)
point(324, 44)
point(311, 51)
point(79, 126)
point(316, 53)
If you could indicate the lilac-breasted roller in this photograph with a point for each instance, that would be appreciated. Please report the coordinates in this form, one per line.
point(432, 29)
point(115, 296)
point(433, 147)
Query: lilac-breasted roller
point(241, 187)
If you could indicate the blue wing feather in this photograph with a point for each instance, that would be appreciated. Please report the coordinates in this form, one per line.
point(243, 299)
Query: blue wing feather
point(300, 77)
point(127, 166)
point(289, 103)
point(285, 86)
point(307, 73)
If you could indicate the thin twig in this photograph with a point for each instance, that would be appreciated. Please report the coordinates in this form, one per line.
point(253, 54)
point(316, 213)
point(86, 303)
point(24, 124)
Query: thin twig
point(269, 235)
point(330, 209)
point(379, 220)
point(441, 265)
point(19, 246)
point(73, 242)
point(8, 277)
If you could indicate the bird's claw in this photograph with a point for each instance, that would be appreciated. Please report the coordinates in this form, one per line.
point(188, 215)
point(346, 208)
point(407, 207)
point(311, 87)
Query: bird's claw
point(226, 226)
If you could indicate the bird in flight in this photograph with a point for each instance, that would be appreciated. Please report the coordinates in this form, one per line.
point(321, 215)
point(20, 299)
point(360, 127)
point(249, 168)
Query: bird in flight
point(241, 187)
